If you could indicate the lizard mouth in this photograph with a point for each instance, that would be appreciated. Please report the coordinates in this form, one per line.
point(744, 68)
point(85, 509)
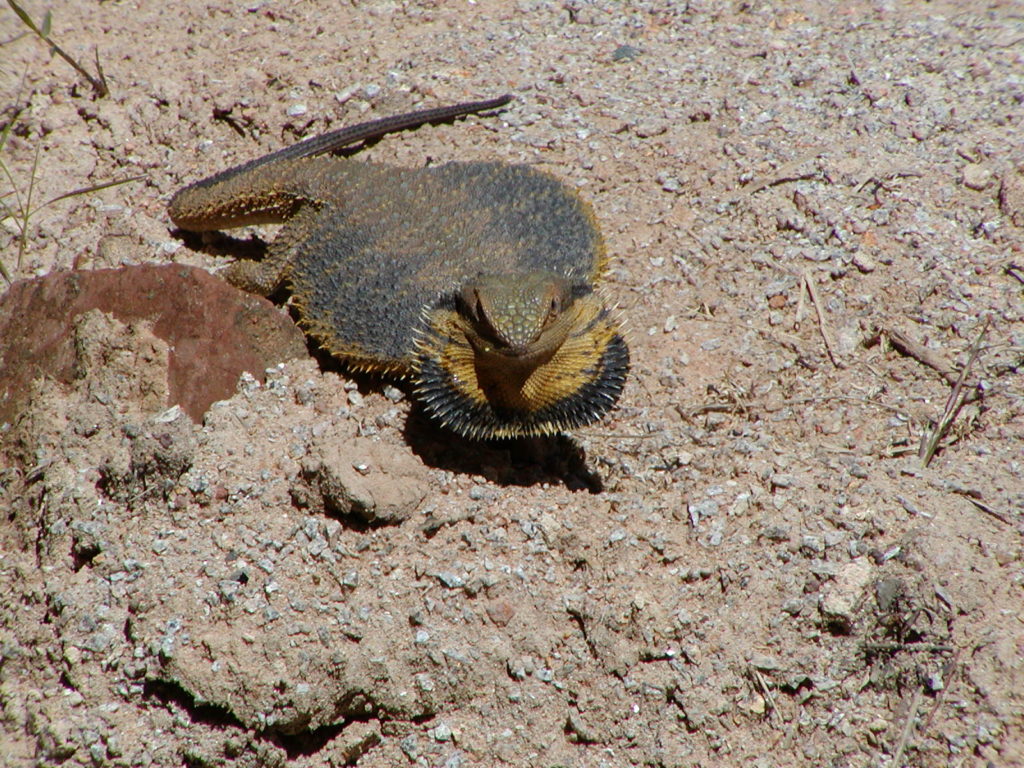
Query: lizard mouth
point(525, 355)
point(566, 379)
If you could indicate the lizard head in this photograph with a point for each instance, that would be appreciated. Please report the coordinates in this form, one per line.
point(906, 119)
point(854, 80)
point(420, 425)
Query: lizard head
point(519, 355)
point(518, 318)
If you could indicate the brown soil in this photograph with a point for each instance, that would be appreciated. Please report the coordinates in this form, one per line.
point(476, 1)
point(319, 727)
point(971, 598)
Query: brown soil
point(817, 217)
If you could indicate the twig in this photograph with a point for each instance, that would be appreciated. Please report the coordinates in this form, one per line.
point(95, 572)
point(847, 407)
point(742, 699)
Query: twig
point(733, 407)
point(896, 647)
point(769, 697)
point(922, 354)
point(907, 728)
point(5, 209)
point(974, 496)
point(747, 407)
point(781, 178)
point(89, 189)
point(954, 403)
point(826, 334)
point(907, 346)
point(800, 308)
point(990, 511)
point(782, 175)
point(879, 181)
point(953, 666)
point(101, 76)
point(1015, 271)
point(9, 40)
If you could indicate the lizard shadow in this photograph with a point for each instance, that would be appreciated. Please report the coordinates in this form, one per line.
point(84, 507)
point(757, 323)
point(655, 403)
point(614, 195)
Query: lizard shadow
point(519, 461)
point(217, 243)
point(524, 461)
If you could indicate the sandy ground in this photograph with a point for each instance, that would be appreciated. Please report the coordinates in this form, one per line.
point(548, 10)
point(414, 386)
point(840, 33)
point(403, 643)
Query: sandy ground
point(816, 213)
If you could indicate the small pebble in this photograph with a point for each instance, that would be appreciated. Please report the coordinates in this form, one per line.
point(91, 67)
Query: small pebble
point(834, 539)
point(617, 535)
point(782, 481)
point(793, 606)
point(934, 682)
point(765, 663)
point(501, 612)
point(625, 53)
point(863, 262)
point(409, 746)
point(668, 182)
point(976, 176)
point(648, 128)
point(451, 580)
point(812, 544)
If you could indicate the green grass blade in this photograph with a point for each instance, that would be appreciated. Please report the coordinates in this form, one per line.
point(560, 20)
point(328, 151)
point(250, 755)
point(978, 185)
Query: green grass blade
point(7, 131)
point(87, 190)
point(99, 86)
point(25, 18)
point(26, 211)
point(14, 191)
point(5, 211)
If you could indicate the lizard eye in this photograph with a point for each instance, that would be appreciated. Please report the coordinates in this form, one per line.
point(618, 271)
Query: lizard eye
point(559, 302)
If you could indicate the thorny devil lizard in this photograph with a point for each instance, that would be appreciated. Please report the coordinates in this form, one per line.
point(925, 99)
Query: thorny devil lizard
point(476, 280)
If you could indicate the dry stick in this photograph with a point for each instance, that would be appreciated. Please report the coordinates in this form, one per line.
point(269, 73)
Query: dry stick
point(990, 511)
point(953, 403)
point(1013, 271)
point(738, 406)
point(773, 709)
point(782, 175)
point(826, 334)
point(907, 728)
point(907, 346)
point(799, 311)
point(954, 666)
point(907, 173)
point(922, 354)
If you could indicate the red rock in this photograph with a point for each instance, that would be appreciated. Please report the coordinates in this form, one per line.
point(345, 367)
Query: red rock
point(501, 612)
point(215, 331)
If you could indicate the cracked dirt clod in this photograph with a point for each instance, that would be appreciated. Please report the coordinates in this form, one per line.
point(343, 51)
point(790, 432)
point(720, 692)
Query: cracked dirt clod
point(366, 479)
point(1011, 196)
point(841, 598)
